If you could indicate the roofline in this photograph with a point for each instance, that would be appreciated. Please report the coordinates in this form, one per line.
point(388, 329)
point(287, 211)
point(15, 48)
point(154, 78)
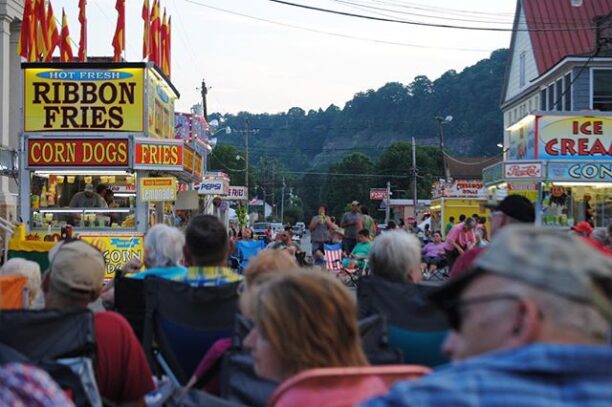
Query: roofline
point(536, 83)
point(510, 52)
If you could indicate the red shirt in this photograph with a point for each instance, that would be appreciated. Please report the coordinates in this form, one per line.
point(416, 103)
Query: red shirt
point(122, 371)
point(465, 260)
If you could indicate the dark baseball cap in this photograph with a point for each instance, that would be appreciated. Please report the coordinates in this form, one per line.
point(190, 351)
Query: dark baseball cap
point(545, 258)
point(517, 207)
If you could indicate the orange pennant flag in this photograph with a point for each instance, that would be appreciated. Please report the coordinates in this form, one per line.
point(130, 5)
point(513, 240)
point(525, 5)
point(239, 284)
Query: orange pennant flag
point(52, 33)
point(169, 46)
point(64, 45)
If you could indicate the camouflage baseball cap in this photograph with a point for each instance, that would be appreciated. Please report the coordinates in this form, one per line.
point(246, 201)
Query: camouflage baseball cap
point(551, 260)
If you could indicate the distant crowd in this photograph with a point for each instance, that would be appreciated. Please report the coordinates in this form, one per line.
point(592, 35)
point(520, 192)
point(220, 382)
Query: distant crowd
point(525, 316)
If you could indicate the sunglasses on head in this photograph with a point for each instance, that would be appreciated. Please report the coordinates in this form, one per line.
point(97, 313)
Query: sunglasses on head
point(453, 309)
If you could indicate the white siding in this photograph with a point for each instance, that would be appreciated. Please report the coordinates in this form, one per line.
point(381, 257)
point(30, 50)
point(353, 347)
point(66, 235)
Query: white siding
point(522, 43)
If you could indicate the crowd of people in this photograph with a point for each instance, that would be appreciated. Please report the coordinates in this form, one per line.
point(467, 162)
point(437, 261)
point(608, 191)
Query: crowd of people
point(526, 318)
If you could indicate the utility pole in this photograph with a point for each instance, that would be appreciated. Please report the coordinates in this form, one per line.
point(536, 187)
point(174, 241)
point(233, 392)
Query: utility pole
point(388, 206)
point(246, 160)
point(283, 202)
point(414, 179)
point(274, 207)
point(204, 91)
point(441, 122)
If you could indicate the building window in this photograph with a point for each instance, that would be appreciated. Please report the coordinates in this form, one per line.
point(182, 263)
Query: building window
point(559, 94)
point(522, 69)
point(529, 108)
point(543, 100)
point(567, 85)
point(602, 89)
point(551, 97)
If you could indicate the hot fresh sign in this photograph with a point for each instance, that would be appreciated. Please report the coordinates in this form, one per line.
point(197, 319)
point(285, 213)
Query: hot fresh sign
point(574, 138)
point(83, 99)
point(77, 153)
point(378, 194)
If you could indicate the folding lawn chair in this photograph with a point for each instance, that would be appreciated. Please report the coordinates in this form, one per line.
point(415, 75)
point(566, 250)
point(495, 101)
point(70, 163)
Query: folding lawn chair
point(245, 250)
point(341, 386)
point(182, 322)
point(52, 336)
point(333, 257)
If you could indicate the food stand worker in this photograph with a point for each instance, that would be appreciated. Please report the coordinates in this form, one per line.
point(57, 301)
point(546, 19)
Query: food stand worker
point(87, 199)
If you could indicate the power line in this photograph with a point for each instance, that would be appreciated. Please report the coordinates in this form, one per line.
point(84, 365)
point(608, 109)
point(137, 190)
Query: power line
point(334, 34)
point(365, 7)
point(344, 174)
point(445, 10)
point(422, 24)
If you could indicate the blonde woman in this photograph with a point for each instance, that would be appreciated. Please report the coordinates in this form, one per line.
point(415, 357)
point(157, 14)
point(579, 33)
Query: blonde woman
point(303, 320)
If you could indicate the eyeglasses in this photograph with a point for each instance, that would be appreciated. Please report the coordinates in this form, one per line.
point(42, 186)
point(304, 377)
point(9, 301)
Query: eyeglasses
point(453, 309)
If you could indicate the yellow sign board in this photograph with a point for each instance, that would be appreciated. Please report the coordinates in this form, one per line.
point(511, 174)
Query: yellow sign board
point(158, 189)
point(160, 110)
point(117, 249)
point(85, 100)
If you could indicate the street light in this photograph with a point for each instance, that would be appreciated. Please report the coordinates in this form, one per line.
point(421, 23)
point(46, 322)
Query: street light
point(441, 121)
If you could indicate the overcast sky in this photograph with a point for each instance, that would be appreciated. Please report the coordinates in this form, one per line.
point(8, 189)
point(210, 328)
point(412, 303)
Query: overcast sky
point(270, 66)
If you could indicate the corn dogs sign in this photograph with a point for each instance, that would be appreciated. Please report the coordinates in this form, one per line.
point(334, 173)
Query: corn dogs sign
point(83, 100)
point(78, 153)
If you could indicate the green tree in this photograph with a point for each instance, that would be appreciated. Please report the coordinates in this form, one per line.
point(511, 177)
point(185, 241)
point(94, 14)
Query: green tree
point(342, 189)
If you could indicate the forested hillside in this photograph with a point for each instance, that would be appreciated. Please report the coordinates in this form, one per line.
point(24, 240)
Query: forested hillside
point(374, 119)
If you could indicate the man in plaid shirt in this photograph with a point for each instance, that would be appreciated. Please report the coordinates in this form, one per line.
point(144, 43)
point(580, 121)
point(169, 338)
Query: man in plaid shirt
point(531, 324)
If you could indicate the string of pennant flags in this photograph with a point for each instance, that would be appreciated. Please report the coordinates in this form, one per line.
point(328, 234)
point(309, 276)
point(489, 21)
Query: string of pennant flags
point(40, 37)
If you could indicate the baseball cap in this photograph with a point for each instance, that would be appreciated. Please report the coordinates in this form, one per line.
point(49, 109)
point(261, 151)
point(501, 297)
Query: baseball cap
point(355, 203)
point(517, 207)
point(544, 258)
point(77, 270)
point(89, 187)
point(583, 227)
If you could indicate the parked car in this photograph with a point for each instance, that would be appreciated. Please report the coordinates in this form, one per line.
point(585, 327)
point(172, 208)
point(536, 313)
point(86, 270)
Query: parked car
point(299, 229)
point(276, 227)
point(259, 230)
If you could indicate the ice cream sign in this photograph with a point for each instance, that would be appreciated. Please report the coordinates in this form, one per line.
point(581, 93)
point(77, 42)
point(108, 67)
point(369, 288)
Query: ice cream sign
point(574, 138)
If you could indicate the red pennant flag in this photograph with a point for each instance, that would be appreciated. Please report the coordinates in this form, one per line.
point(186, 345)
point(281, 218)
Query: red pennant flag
point(52, 33)
point(26, 43)
point(146, 29)
point(163, 39)
point(83, 39)
point(169, 46)
point(40, 22)
point(119, 38)
point(154, 39)
point(64, 45)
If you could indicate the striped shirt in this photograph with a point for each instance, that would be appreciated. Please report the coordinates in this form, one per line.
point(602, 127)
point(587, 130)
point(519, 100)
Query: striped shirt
point(209, 276)
point(539, 375)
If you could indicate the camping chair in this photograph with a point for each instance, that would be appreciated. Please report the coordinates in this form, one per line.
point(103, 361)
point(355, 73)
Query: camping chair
point(415, 326)
point(48, 336)
point(238, 381)
point(341, 386)
point(182, 322)
point(246, 249)
point(130, 302)
point(13, 292)
point(333, 257)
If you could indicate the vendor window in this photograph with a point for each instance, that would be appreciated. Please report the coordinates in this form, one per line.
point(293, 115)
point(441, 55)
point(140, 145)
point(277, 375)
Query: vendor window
point(82, 200)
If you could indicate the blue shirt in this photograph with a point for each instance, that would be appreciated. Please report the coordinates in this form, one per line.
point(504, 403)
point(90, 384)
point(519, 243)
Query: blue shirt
point(546, 375)
point(171, 273)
